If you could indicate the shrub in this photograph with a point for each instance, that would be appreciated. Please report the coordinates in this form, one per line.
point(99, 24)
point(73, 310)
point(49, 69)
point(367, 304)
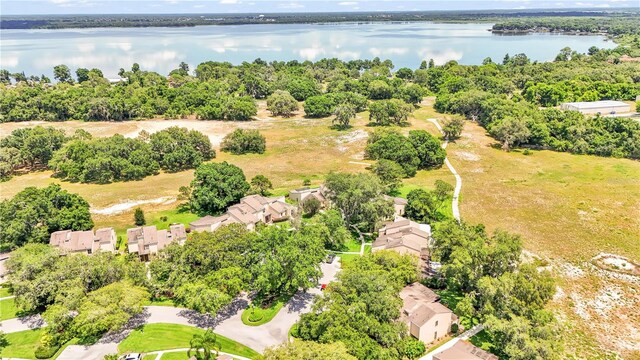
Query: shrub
point(45, 352)
point(138, 217)
point(281, 103)
point(243, 142)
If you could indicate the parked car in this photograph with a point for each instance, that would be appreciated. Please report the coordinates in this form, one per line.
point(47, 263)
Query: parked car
point(133, 356)
point(323, 286)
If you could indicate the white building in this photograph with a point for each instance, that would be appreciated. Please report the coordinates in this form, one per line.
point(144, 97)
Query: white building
point(598, 107)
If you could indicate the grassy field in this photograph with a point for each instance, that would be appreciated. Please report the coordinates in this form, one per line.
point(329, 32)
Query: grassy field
point(8, 309)
point(154, 337)
point(21, 344)
point(4, 292)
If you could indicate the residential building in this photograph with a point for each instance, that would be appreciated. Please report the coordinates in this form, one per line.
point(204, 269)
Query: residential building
point(405, 237)
point(427, 319)
point(148, 240)
point(464, 350)
point(399, 204)
point(302, 194)
point(598, 107)
point(86, 242)
point(251, 210)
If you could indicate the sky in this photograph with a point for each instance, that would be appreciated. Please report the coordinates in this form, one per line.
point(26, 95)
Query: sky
point(32, 7)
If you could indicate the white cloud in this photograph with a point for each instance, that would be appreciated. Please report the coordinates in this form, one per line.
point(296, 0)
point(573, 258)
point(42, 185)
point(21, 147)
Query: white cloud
point(228, 2)
point(440, 57)
point(348, 3)
point(290, 5)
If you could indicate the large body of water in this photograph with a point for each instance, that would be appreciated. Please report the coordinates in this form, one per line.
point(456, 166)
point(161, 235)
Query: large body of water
point(161, 49)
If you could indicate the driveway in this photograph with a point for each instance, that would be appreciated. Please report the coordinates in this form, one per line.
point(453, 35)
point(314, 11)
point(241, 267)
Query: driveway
point(227, 323)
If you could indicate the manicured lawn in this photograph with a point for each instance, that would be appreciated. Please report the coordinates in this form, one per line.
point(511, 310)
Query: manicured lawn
point(174, 356)
point(4, 292)
point(256, 315)
point(8, 309)
point(154, 337)
point(21, 344)
point(151, 357)
point(353, 245)
point(347, 258)
point(160, 302)
point(450, 299)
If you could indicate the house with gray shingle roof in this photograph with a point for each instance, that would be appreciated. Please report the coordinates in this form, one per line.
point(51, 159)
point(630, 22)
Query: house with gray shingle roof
point(84, 242)
point(428, 320)
point(464, 350)
point(148, 240)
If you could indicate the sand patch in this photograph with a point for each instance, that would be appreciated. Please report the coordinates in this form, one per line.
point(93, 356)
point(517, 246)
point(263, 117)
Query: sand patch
point(465, 155)
point(124, 206)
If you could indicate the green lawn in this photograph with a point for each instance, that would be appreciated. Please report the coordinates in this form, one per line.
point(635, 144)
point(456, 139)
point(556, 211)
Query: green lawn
point(21, 344)
point(345, 259)
point(353, 245)
point(175, 356)
point(4, 292)
point(8, 309)
point(154, 337)
point(150, 357)
point(256, 315)
point(160, 302)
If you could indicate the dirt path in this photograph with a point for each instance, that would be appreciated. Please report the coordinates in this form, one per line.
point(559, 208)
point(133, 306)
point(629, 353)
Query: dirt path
point(456, 192)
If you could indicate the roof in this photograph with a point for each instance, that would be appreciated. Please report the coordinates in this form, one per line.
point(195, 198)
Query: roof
point(419, 292)
point(105, 235)
point(208, 220)
point(178, 232)
point(396, 200)
point(597, 104)
point(424, 312)
point(464, 350)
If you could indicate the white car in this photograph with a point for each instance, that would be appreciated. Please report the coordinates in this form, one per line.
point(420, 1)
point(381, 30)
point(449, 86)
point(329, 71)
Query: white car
point(133, 356)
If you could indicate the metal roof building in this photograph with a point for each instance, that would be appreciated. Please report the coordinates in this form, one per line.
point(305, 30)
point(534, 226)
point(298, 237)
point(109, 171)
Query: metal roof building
point(598, 107)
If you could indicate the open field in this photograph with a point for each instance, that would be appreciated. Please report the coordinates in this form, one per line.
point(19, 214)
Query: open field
point(568, 208)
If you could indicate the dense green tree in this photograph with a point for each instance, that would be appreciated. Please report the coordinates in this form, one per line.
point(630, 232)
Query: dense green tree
point(389, 112)
point(424, 206)
point(366, 290)
point(285, 261)
point(360, 199)
point(404, 73)
point(308, 350)
point(281, 103)
point(216, 186)
point(391, 145)
point(428, 148)
point(62, 74)
point(104, 160)
point(35, 146)
point(511, 132)
point(108, 309)
point(261, 185)
point(412, 94)
point(390, 174)
point(452, 128)
point(319, 106)
point(519, 338)
point(379, 89)
point(178, 148)
point(242, 141)
point(34, 213)
point(138, 217)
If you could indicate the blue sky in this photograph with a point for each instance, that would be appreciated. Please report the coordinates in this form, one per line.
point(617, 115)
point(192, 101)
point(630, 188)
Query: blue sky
point(13, 7)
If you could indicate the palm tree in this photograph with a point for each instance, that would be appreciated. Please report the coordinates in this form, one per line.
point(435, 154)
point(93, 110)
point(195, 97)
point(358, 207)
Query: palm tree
point(202, 346)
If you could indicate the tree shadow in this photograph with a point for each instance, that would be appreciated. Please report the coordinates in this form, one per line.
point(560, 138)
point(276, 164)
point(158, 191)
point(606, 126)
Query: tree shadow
point(340, 127)
point(299, 301)
point(208, 321)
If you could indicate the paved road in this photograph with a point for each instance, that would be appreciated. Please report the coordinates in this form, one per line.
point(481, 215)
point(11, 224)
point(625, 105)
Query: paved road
point(228, 323)
point(22, 324)
point(456, 191)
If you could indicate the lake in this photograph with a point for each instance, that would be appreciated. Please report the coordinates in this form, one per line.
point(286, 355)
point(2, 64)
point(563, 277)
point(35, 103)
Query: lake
point(161, 49)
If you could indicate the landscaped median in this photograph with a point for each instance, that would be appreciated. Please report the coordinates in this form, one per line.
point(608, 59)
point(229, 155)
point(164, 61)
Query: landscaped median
point(258, 315)
point(157, 337)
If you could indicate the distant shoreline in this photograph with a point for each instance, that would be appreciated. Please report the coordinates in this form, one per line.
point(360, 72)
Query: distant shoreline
point(54, 22)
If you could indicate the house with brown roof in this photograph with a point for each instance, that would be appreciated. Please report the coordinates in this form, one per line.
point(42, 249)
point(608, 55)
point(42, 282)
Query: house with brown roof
point(302, 194)
point(148, 240)
point(405, 237)
point(251, 210)
point(464, 350)
point(428, 320)
point(84, 242)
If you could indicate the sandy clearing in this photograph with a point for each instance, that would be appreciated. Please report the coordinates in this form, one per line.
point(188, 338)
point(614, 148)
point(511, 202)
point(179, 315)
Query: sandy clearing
point(127, 205)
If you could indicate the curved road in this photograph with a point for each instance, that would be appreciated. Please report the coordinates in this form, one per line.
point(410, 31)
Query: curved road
point(456, 192)
point(227, 323)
